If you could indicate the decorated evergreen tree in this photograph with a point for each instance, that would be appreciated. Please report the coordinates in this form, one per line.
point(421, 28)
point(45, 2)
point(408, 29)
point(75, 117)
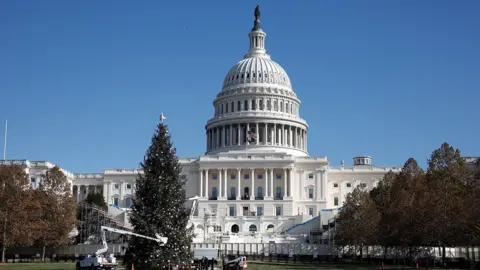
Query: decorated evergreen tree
point(159, 207)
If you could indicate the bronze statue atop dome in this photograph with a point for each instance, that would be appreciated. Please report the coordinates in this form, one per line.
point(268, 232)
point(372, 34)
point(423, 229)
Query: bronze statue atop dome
point(256, 23)
point(257, 13)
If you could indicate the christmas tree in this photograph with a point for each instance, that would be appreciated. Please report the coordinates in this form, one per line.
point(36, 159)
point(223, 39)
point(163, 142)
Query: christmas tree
point(159, 207)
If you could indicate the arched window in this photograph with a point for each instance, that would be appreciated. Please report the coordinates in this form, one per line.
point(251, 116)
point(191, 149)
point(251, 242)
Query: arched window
point(233, 108)
point(259, 192)
point(235, 228)
point(281, 106)
point(226, 107)
point(261, 104)
point(252, 228)
point(245, 105)
point(278, 192)
point(270, 226)
point(253, 105)
point(214, 193)
point(233, 191)
point(239, 107)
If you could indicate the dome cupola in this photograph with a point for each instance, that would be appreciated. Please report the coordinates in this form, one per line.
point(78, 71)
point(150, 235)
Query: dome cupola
point(257, 108)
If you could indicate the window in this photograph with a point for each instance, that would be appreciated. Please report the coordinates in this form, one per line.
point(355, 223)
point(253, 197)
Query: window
point(279, 176)
point(32, 179)
point(214, 193)
point(233, 176)
point(246, 176)
point(232, 211)
point(239, 107)
point(115, 201)
point(278, 210)
point(226, 107)
point(349, 185)
point(115, 186)
point(310, 193)
point(233, 191)
point(217, 228)
point(235, 228)
point(245, 105)
point(278, 192)
point(214, 176)
point(221, 109)
point(253, 105)
point(259, 211)
point(259, 176)
point(335, 201)
point(252, 228)
point(232, 106)
point(260, 192)
point(129, 186)
point(335, 184)
point(310, 176)
point(310, 211)
point(128, 202)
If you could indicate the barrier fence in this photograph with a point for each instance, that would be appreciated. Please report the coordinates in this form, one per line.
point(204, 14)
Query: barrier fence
point(267, 252)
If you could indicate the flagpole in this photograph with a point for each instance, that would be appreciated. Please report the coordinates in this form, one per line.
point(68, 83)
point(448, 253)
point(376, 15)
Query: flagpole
point(5, 141)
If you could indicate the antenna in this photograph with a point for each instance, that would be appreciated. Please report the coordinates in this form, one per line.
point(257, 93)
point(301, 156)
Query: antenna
point(5, 141)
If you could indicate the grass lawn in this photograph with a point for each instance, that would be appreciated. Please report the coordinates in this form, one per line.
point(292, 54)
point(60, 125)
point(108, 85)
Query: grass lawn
point(37, 266)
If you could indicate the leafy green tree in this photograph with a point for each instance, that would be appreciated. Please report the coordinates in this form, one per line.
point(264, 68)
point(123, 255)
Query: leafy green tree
point(159, 207)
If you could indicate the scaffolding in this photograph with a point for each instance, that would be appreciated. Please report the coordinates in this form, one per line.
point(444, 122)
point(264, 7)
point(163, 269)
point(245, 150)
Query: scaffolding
point(90, 218)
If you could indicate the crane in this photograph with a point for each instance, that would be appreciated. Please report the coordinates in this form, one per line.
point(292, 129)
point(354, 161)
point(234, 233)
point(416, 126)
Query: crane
point(158, 239)
point(98, 261)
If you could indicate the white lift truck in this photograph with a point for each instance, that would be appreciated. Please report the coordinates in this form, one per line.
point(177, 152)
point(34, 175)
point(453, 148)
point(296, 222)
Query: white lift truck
point(99, 261)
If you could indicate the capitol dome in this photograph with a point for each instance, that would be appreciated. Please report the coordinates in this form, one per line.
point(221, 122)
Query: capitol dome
point(257, 109)
point(258, 69)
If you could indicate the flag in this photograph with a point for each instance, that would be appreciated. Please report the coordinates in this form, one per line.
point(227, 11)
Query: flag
point(251, 136)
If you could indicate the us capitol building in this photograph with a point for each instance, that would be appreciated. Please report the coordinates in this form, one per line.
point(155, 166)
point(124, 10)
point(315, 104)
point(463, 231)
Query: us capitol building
point(256, 176)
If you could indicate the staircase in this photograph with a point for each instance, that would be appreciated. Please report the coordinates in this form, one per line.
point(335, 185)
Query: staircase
point(303, 228)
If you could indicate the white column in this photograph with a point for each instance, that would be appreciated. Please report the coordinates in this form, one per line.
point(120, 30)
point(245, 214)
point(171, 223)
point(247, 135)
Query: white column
point(265, 195)
point(252, 189)
point(238, 134)
point(291, 136)
point(318, 185)
point(220, 180)
point(324, 183)
point(257, 132)
point(109, 193)
point(290, 185)
point(246, 132)
point(285, 137)
point(201, 183)
point(206, 183)
point(274, 134)
point(306, 140)
point(225, 174)
point(271, 182)
point(301, 187)
point(280, 136)
point(285, 186)
point(239, 196)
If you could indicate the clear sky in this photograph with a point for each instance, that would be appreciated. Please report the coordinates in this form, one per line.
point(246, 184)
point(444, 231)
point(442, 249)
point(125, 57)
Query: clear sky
point(82, 83)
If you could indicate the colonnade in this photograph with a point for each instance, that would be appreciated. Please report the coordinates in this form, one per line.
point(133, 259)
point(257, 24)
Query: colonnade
point(267, 134)
point(80, 192)
point(246, 184)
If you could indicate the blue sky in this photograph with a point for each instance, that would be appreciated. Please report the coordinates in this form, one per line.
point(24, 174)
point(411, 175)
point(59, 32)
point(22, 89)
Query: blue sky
point(82, 83)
